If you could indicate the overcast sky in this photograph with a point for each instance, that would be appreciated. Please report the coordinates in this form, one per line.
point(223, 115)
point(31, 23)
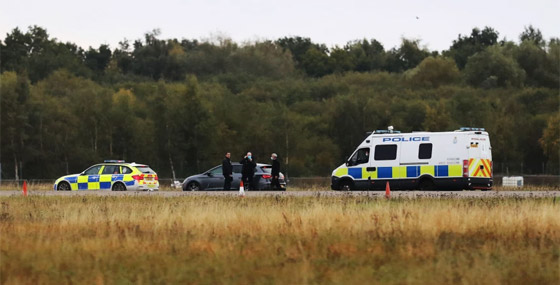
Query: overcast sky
point(437, 23)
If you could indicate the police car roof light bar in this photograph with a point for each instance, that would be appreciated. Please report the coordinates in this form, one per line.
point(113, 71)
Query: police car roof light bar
point(113, 161)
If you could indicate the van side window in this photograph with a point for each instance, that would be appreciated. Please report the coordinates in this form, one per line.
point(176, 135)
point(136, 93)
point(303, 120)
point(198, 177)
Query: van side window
point(361, 156)
point(386, 152)
point(425, 151)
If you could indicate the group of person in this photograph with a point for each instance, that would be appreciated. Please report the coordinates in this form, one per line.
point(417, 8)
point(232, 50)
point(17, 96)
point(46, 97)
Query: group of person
point(248, 171)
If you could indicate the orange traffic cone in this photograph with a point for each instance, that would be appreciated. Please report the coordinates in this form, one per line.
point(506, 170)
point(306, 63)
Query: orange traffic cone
point(24, 188)
point(387, 191)
point(241, 189)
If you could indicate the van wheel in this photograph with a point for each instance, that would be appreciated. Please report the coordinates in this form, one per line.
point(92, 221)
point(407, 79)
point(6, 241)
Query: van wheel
point(426, 184)
point(346, 185)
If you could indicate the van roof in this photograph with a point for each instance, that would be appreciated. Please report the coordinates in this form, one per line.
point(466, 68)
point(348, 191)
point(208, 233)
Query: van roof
point(430, 133)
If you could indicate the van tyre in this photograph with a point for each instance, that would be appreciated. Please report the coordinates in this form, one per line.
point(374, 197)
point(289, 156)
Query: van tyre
point(118, 187)
point(63, 186)
point(346, 185)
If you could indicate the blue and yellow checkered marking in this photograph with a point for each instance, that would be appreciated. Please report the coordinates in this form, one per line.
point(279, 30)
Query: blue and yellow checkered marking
point(103, 181)
point(393, 172)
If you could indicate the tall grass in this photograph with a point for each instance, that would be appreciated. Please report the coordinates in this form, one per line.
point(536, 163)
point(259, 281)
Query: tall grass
point(286, 240)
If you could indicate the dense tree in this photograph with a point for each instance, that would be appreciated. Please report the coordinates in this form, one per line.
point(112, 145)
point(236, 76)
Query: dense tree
point(494, 67)
point(178, 105)
point(433, 72)
point(407, 56)
point(466, 46)
point(530, 34)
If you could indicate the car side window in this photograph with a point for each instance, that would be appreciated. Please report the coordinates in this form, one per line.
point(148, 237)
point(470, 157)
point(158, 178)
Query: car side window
point(93, 170)
point(125, 170)
point(361, 156)
point(216, 171)
point(111, 169)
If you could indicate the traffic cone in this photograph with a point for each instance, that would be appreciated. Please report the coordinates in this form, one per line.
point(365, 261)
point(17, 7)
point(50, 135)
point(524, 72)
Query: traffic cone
point(241, 189)
point(387, 191)
point(24, 188)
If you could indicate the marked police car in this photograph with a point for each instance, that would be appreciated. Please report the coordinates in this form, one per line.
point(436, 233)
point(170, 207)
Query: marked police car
point(454, 160)
point(116, 175)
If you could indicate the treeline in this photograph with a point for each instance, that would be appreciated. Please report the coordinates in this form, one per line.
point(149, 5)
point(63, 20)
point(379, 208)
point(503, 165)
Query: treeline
point(179, 105)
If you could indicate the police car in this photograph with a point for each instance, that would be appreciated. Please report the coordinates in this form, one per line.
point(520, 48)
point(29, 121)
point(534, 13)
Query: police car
point(116, 175)
point(454, 160)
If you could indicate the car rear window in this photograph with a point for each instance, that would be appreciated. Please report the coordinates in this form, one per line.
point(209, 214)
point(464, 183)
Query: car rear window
point(266, 169)
point(145, 169)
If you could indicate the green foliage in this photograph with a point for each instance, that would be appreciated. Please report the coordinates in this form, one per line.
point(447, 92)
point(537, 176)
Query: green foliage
point(433, 72)
point(180, 105)
point(494, 67)
point(466, 46)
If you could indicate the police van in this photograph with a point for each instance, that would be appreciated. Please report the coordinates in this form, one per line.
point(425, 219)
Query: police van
point(453, 160)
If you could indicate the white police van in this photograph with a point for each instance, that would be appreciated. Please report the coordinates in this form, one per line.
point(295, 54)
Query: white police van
point(454, 160)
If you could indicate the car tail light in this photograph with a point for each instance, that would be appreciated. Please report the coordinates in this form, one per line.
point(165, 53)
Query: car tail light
point(138, 177)
point(267, 176)
point(465, 168)
point(155, 177)
point(281, 176)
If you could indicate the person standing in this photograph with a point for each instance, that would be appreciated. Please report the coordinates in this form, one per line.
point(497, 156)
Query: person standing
point(275, 173)
point(227, 171)
point(248, 170)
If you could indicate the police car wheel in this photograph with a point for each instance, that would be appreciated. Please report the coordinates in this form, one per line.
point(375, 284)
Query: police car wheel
point(193, 186)
point(118, 187)
point(63, 186)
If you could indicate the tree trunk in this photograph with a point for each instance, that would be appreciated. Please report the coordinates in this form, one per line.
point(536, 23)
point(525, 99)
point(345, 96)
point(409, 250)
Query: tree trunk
point(16, 168)
point(95, 138)
point(172, 168)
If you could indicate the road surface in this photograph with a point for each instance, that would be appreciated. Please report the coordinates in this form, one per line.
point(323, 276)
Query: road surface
point(394, 194)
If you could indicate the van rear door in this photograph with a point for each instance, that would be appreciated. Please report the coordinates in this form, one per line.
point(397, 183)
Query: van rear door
point(480, 156)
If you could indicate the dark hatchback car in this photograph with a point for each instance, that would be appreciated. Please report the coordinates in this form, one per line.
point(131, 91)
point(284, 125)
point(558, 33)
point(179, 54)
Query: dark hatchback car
point(214, 180)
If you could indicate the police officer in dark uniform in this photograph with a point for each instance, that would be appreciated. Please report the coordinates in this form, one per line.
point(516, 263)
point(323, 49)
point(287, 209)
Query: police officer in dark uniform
point(275, 183)
point(227, 170)
point(248, 170)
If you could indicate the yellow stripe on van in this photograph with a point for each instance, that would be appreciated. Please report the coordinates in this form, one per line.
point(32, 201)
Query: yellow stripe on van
point(455, 170)
point(399, 171)
point(341, 171)
point(427, 169)
point(369, 174)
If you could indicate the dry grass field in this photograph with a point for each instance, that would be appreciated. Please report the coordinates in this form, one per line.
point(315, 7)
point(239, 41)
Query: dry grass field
point(278, 240)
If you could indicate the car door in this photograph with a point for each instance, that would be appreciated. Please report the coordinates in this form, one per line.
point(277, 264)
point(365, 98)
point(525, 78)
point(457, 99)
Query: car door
point(89, 179)
point(106, 177)
point(236, 176)
point(215, 178)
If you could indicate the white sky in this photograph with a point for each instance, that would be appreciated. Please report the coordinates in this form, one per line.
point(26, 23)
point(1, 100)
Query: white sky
point(91, 23)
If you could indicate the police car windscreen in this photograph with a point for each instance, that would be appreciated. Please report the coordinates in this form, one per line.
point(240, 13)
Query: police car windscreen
point(146, 170)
